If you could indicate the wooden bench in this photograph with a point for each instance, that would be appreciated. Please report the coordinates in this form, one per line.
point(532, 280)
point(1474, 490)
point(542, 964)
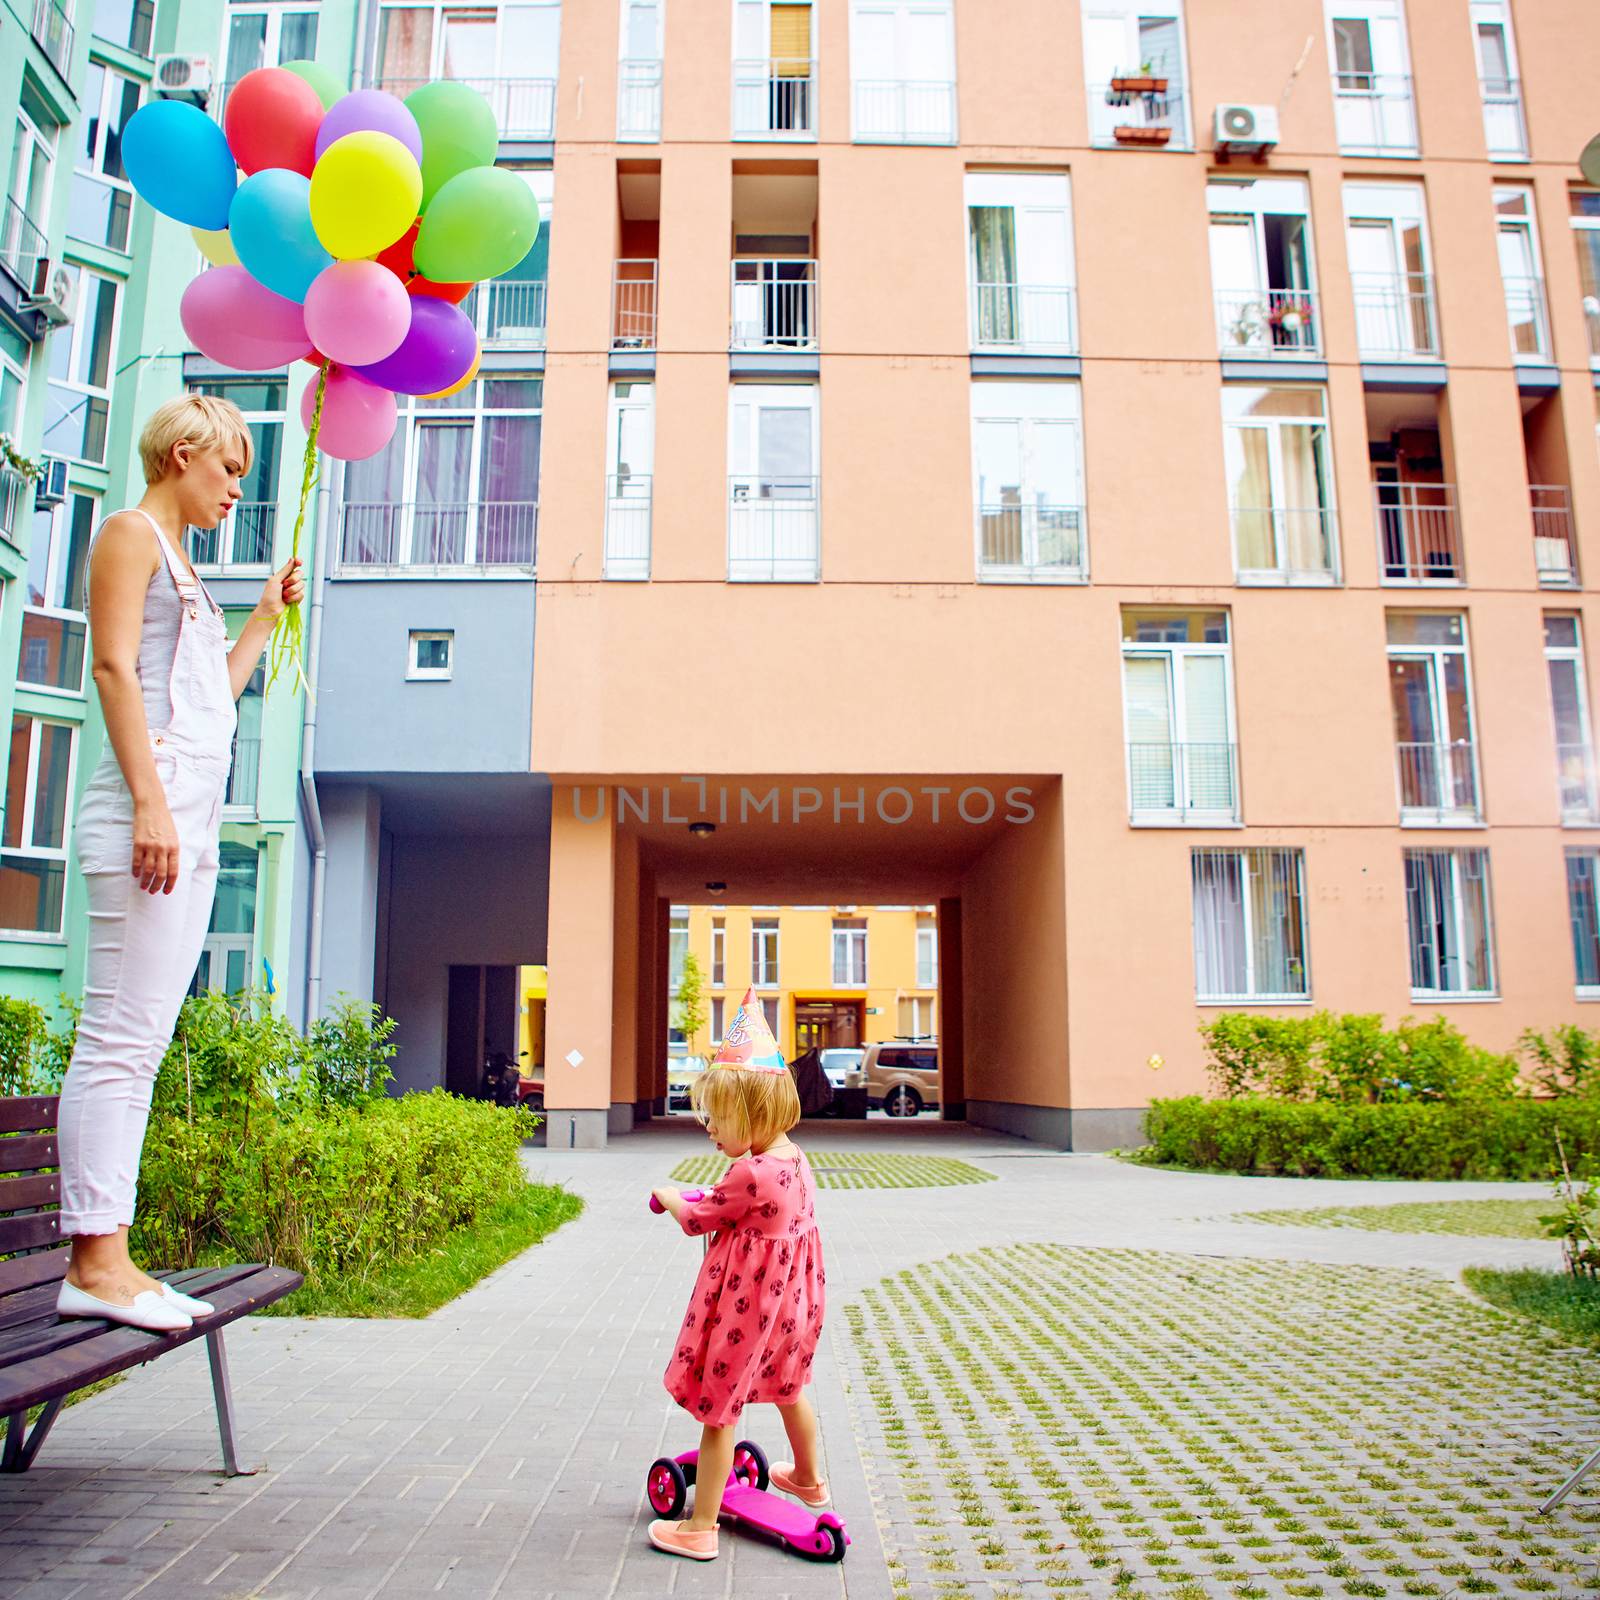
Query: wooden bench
point(44, 1358)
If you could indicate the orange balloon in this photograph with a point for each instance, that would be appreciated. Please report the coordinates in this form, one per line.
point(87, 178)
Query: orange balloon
point(455, 293)
point(456, 388)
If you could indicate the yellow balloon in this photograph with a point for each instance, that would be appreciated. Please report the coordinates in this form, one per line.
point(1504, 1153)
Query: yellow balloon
point(456, 388)
point(216, 246)
point(366, 190)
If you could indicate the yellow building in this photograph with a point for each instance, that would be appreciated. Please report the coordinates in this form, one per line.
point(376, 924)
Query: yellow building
point(826, 975)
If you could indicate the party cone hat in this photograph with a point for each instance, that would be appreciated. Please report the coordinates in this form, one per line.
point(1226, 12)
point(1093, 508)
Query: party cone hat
point(748, 1043)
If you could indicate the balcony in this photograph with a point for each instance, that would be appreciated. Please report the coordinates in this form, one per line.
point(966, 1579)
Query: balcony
point(1395, 316)
point(438, 537)
point(524, 108)
point(1263, 323)
point(1580, 799)
point(774, 304)
point(244, 776)
point(633, 306)
point(773, 529)
point(16, 503)
point(241, 543)
point(1031, 544)
point(1025, 316)
point(1285, 545)
point(1525, 313)
point(1122, 113)
point(1505, 129)
point(904, 111)
point(639, 100)
point(775, 98)
point(1375, 114)
point(21, 243)
point(1555, 550)
point(52, 30)
point(509, 313)
point(1438, 782)
point(628, 499)
point(1417, 532)
point(1187, 783)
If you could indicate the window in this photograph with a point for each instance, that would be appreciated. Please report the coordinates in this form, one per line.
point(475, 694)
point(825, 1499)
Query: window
point(244, 776)
point(1447, 909)
point(1569, 700)
point(1432, 699)
point(1134, 69)
point(716, 1020)
point(1583, 907)
point(719, 953)
point(457, 486)
point(916, 1022)
point(631, 441)
point(24, 221)
point(78, 402)
point(1249, 925)
point(850, 951)
point(102, 197)
point(1520, 272)
point(33, 841)
point(244, 538)
point(769, 1009)
point(774, 489)
point(511, 312)
point(902, 58)
point(1280, 484)
point(639, 71)
point(1586, 234)
point(677, 947)
point(1027, 474)
point(1504, 130)
point(1387, 239)
point(126, 22)
point(1019, 241)
point(431, 655)
point(16, 492)
point(54, 626)
point(225, 958)
point(267, 36)
point(774, 70)
point(927, 953)
point(1177, 692)
point(1371, 78)
point(1262, 271)
point(764, 952)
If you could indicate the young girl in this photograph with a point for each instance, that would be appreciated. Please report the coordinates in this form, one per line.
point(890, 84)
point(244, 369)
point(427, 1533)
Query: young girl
point(753, 1322)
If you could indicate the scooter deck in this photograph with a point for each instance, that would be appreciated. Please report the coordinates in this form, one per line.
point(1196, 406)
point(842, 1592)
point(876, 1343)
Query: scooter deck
point(771, 1512)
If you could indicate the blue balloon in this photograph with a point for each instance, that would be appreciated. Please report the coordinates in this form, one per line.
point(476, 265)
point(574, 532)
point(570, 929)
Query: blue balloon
point(270, 225)
point(178, 160)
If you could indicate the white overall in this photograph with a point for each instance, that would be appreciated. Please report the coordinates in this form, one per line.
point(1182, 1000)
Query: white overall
point(143, 947)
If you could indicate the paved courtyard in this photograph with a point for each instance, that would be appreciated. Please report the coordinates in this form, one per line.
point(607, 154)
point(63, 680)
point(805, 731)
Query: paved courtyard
point(1082, 1377)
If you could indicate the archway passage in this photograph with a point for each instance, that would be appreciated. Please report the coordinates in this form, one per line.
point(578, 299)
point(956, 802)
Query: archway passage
point(985, 850)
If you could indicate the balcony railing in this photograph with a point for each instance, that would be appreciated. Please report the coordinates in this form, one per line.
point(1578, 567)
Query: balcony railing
point(1525, 312)
point(434, 536)
point(509, 313)
point(16, 501)
point(904, 111)
point(775, 99)
point(1438, 781)
point(773, 529)
point(242, 541)
point(524, 108)
point(1268, 322)
point(1029, 543)
point(1395, 317)
point(1137, 119)
point(1025, 316)
point(1281, 544)
point(1591, 316)
point(774, 304)
point(21, 243)
point(1183, 781)
point(244, 776)
point(1580, 800)
point(639, 99)
point(1505, 130)
point(53, 30)
point(628, 526)
point(633, 306)
point(1375, 113)
point(1419, 541)
point(1555, 550)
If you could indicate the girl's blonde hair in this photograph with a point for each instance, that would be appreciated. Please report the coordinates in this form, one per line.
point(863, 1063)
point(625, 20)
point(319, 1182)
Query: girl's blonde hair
point(754, 1108)
point(203, 420)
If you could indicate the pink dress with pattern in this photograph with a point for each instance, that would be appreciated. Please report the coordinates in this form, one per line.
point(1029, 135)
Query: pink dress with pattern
point(751, 1330)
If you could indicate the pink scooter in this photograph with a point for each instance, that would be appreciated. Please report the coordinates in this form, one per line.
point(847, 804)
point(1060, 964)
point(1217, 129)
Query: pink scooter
point(817, 1536)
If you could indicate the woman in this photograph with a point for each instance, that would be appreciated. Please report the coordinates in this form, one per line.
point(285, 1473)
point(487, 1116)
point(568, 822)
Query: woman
point(147, 832)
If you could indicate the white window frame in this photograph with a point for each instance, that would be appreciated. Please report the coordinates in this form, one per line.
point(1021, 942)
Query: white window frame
point(1505, 126)
point(765, 974)
point(1455, 856)
point(925, 108)
point(1573, 656)
point(1591, 855)
point(639, 77)
point(1274, 428)
point(1591, 303)
point(1526, 225)
point(1045, 314)
point(1393, 112)
point(77, 334)
point(748, 82)
point(1392, 207)
point(1245, 308)
point(849, 941)
point(415, 671)
point(789, 513)
point(719, 953)
point(1104, 117)
point(36, 208)
point(228, 531)
point(1250, 861)
point(629, 492)
point(112, 79)
point(717, 1004)
point(927, 955)
point(273, 11)
point(28, 851)
point(62, 614)
point(1434, 657)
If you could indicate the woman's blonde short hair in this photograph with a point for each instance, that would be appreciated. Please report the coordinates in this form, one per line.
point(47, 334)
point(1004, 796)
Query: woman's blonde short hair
point(198, 419)
point(753, 1108)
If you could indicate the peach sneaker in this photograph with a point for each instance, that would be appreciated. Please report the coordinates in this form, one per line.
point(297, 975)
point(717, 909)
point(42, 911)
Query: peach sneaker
point(679, 1539)
point(781, 1476)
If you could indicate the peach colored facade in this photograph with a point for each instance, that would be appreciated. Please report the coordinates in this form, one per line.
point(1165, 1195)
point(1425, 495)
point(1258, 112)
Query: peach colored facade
point(1067, 941)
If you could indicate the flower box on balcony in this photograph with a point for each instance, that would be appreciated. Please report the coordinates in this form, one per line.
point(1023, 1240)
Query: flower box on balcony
point(1130, 133)
point(1122, 90)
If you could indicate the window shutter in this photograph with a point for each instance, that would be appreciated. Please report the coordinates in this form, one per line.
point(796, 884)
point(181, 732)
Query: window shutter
point(791, 41)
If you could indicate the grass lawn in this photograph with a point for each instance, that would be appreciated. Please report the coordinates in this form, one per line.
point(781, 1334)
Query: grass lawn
point(1484, 1219)
point(838, 1169)
point(1569, 1305)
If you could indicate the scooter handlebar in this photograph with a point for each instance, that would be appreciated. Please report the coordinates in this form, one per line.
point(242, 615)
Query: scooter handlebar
point(690, 1195)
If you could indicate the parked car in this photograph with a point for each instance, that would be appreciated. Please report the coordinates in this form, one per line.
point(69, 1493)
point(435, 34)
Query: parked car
point(681, 1072)
point(842, 1064)
point(902, 1076)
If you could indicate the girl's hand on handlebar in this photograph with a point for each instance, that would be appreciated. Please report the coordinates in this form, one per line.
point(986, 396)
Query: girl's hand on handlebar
point(666, 1198)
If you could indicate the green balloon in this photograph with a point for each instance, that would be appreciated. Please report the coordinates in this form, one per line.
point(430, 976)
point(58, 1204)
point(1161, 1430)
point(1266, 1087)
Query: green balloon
point(480, 224)
point(459, 132)
point(323, 79)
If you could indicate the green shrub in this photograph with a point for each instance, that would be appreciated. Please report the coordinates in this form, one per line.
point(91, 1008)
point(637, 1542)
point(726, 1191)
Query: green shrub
point(1565, 1061)
point(22, 1031)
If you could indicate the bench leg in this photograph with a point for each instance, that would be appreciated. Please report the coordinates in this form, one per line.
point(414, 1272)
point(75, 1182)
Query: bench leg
point(223, 1392)
point(21, 1446)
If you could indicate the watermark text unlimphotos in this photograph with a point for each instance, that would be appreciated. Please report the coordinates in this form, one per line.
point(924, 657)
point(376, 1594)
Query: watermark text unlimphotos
point(940, 803)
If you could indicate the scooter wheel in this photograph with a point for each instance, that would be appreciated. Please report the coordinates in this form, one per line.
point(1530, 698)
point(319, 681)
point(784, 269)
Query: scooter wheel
point(826, 1544)
point(666, 1488)
point(750, 1465)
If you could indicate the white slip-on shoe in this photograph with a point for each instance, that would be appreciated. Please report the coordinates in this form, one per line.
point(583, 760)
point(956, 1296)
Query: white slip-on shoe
point(186, 1302)
point(149, 1310)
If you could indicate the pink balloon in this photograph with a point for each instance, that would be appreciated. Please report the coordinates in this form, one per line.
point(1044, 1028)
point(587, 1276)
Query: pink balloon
point(357, 311)
point(238, 322)
point(358, 417)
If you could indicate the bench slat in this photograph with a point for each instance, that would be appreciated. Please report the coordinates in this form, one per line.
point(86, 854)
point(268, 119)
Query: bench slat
point(28, 1233)
point(29, 1113)
point(31, 1305)
point(22, 1305)
point(29, 1153)
point(48, 1266)
point(44, 1333)
point(26, 1194)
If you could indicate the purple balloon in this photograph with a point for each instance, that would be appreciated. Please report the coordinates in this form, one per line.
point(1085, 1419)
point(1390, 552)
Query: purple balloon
point(436, 353)
point(370, 110)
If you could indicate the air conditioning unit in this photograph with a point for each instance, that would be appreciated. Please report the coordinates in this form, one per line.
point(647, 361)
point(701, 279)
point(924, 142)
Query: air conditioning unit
point(183, 78)
point(54, 292)
point(51, 488)
point(1247, 130)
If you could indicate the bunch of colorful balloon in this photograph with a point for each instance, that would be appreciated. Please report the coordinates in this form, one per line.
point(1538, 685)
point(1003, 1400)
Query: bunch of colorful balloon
point(343, 230)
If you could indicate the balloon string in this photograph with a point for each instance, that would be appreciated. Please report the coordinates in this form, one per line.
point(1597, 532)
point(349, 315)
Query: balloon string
point(288, 632)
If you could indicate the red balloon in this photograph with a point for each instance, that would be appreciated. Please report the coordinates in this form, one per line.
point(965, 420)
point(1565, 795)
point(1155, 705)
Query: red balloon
point(315, 359)
point(455, 293)
point(397, 258)
point(271, 120)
